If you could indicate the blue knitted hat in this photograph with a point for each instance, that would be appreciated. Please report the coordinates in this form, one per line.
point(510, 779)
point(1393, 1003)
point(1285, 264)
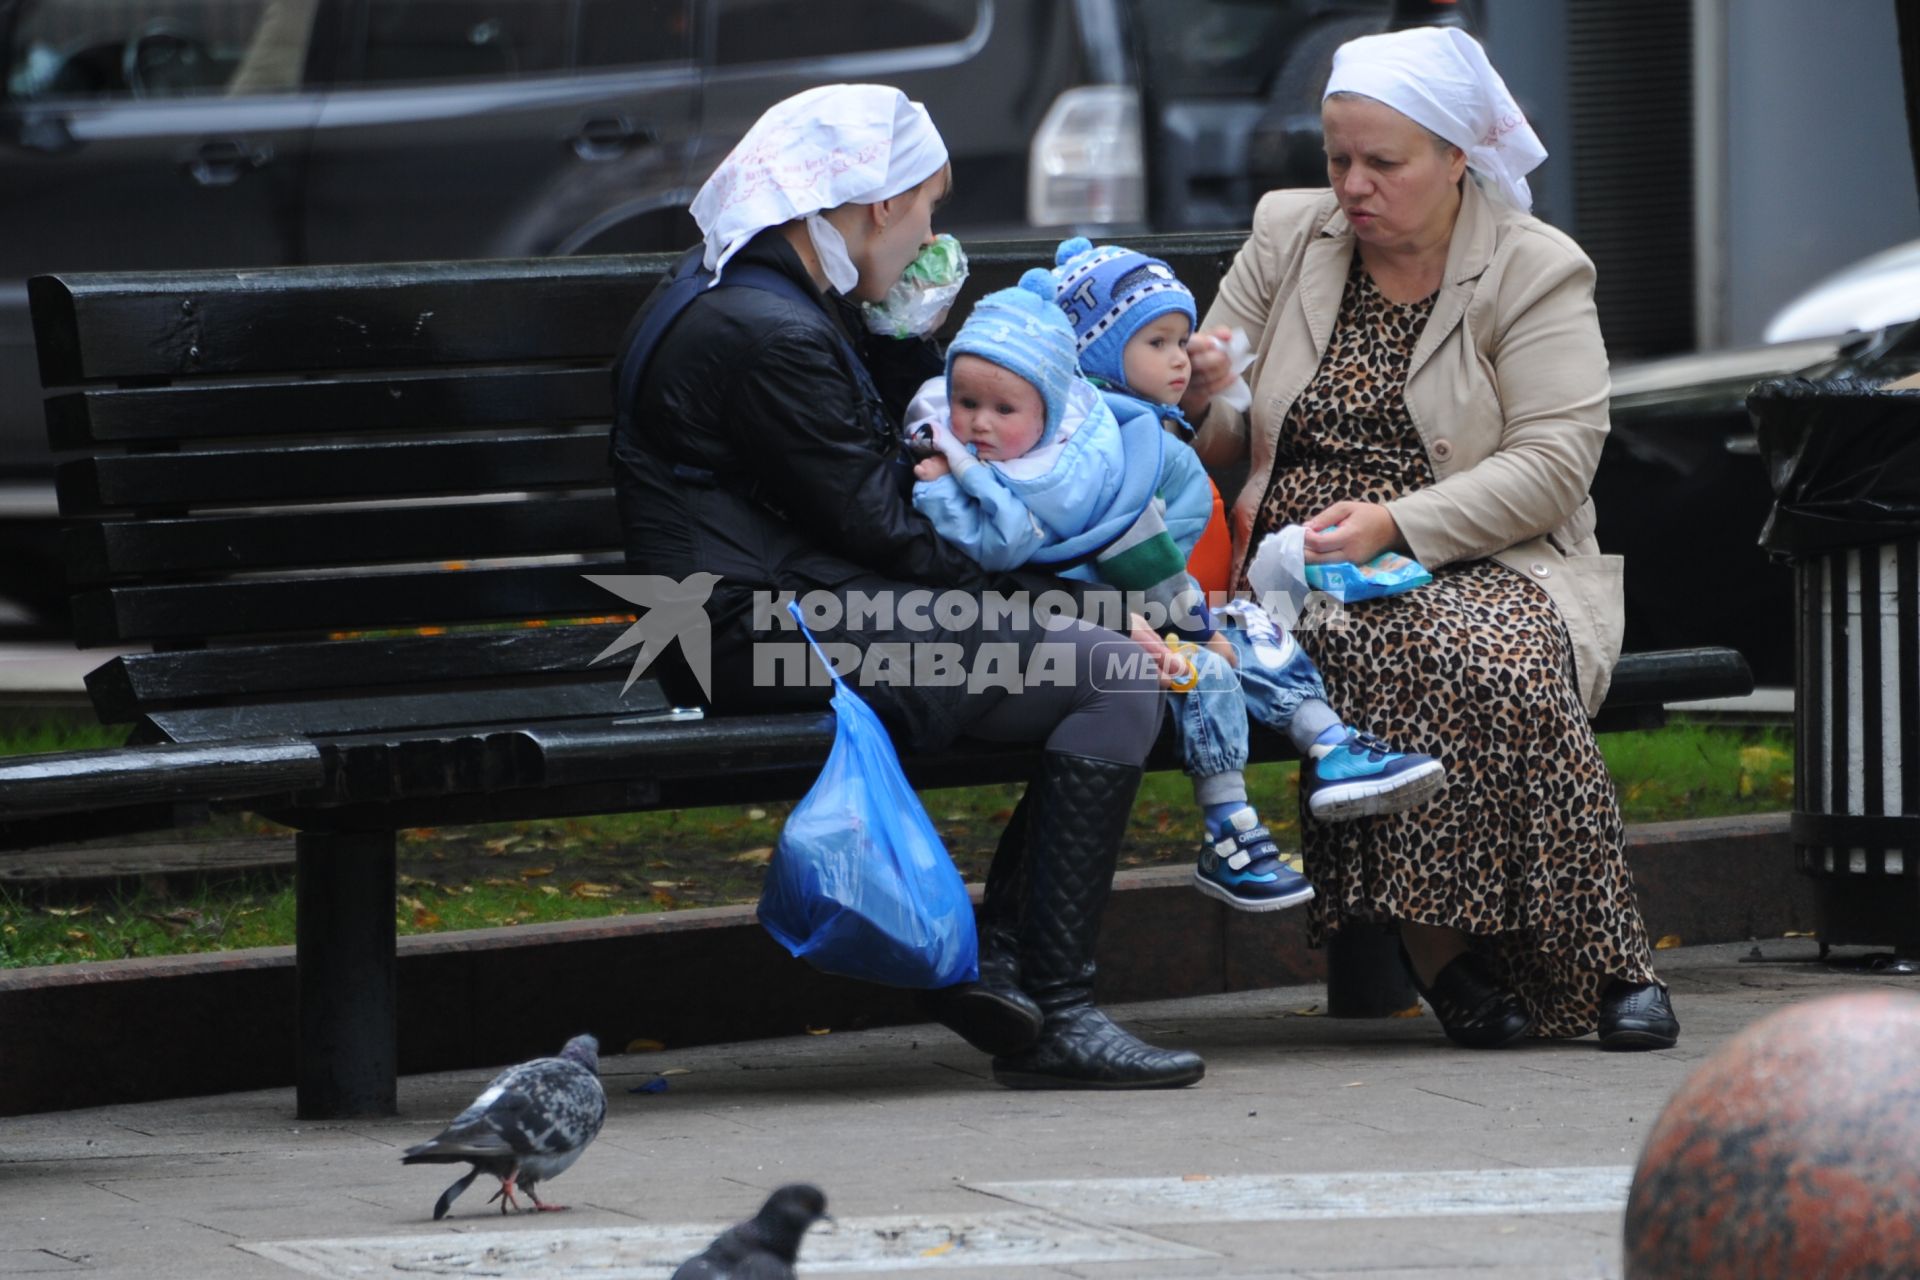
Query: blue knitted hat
point(1021, 330)
point(1110, 293)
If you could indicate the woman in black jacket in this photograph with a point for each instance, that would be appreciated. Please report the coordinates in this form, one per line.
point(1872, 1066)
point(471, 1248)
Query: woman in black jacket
point(757, 439)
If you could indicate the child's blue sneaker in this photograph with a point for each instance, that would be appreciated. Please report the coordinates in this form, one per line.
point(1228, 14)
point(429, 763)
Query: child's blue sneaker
point(1243, 868)
point(1361, 776)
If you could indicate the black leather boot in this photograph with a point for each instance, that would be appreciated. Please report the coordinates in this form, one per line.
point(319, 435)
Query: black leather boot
point(994, 1015)
point(1079, 814)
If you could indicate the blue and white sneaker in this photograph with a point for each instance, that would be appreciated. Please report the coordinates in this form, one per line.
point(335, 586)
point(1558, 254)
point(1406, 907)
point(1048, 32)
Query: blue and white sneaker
point(1361, 776)
point(1243, 868)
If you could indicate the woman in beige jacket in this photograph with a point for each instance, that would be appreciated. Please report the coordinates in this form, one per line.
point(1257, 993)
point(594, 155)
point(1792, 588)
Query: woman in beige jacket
point(1430, 378)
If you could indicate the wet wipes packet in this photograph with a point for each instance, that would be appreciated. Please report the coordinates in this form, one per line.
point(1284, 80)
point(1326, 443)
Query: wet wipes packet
point(1387, 574)
point(922, 294)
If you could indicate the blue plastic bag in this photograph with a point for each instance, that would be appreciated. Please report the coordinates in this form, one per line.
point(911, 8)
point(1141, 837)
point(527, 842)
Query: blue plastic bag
point(860, 883)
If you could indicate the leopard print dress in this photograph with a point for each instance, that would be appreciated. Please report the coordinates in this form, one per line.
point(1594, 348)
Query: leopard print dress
point(1524, 848)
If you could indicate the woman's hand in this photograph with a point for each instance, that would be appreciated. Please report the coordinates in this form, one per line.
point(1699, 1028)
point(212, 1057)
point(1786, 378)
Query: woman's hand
point(930, 468)
point(1207, 354)
point(1365, 529)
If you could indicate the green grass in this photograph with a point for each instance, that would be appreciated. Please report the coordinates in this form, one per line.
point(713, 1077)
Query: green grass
point(34, 731)
point(565, 869)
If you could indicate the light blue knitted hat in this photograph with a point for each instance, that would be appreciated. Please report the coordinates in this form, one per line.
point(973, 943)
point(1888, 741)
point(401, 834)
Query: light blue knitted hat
point(1110, 293)
point(1021, 330)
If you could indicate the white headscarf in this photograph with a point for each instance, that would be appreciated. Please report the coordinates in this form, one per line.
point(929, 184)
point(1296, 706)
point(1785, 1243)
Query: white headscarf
point(834, 145)
point(1440, 77)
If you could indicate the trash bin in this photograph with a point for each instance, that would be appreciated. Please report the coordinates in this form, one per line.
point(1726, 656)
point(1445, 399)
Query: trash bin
point(1843, 457)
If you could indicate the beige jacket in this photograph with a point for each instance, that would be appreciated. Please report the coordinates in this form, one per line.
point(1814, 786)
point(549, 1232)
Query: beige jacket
point(1508, 389)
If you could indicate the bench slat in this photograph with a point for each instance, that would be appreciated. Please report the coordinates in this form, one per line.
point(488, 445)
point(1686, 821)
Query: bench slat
point(126, 686)
point(118, 777)
point(497, 464)
point(319, 407)
point(1660, 676)
point(96, 553)
point(189, 611)
point(126, 325)
point(472, 711)
point(182, 324)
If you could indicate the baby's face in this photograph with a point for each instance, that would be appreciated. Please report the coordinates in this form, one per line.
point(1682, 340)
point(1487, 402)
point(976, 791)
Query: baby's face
point(995, 410)
point(1155, 359)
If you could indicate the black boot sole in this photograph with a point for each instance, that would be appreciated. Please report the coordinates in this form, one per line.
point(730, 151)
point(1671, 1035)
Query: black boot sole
point(1627, 1039)
point(1015, 1079)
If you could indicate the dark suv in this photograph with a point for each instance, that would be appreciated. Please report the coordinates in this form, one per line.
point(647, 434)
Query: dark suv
point(140, 134)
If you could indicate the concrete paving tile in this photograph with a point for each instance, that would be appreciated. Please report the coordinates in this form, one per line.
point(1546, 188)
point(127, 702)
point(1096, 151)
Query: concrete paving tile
point(904, 1120)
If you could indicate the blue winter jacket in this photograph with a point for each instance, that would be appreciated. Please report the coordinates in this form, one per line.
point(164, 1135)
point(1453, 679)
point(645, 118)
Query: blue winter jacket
point(1068, 499)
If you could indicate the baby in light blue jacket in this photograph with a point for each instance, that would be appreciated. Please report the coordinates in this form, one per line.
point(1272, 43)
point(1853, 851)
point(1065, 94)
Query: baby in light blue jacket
point(1034, 465)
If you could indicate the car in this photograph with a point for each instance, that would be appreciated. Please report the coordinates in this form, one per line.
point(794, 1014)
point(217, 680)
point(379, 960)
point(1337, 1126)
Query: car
point(1682, 491)
point(1870, 294)
point(147, 134)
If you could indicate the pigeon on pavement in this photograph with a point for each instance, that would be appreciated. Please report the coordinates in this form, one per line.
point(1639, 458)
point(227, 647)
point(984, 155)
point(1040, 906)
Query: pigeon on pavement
point(764, 1246)
point(530, 1124)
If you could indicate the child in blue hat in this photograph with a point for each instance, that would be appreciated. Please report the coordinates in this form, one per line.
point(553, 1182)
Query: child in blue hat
point(1132, 319)
point(1035, 466)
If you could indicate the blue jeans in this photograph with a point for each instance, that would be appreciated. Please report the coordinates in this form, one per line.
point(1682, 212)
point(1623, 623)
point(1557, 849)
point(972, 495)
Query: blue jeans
point(1271, 684)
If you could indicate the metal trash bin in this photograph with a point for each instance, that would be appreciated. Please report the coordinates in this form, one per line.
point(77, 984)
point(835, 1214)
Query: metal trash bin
point(1844, 460)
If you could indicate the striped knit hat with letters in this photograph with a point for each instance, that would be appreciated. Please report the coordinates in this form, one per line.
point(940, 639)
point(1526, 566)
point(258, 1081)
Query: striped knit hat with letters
point(1110, 293)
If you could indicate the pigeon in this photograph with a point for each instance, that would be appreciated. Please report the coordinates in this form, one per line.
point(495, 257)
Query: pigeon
point(764, 1246)
point(530, 1124)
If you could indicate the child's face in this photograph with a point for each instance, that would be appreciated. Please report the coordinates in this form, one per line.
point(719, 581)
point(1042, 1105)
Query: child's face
point(1155, 359)
point(995, 410)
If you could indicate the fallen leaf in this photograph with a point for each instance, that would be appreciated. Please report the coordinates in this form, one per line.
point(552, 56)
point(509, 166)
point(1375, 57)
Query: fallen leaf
point(1308, 1011)
point(644, 1046)
point(661, 898)
point(819, 1031)
point(1411, 1011)
point(754, 815)
point(1001, 815)
point(495, 848)
point(534, 873)
point(1798, 933)
point(677, 1071)
point(588, 889)
point(1353, 1084)
point(664, 884)
point(414, 903)
point(498, 883)
point(754, 857)
point(937, 1250)
point(549, 890)
point(425, 919)
point(1196, 1177)
point(76, 935)
point(68, 912)
point(1667, 943)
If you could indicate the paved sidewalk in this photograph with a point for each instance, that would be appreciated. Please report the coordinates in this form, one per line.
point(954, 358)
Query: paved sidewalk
point(1314, 1147)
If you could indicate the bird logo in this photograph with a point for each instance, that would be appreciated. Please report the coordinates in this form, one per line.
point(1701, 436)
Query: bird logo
point(675, 611)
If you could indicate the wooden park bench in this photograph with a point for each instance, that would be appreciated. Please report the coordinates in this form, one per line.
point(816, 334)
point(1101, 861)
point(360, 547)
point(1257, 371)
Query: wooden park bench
point(348, 509)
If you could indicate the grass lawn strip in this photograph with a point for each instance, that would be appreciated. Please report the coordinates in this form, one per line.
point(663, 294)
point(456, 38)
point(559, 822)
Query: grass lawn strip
point(620, 864)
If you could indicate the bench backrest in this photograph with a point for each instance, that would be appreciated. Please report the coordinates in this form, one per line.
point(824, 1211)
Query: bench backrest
point(336, 499)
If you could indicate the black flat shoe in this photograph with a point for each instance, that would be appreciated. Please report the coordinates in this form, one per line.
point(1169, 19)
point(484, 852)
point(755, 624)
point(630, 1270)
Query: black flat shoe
point(1474, 1010)
point(1637, 1016)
